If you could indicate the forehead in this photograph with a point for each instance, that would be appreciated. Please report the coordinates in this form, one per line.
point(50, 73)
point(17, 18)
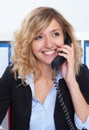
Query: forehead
point(54, 25)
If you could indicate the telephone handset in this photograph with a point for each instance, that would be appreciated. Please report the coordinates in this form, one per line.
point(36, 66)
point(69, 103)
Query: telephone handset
point(55, 64)
point(59, 59)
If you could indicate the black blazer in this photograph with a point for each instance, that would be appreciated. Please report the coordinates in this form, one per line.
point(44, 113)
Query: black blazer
point(20, 97)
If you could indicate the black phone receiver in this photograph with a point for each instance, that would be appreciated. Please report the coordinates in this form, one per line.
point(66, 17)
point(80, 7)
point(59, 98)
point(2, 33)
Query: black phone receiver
point(59, 59)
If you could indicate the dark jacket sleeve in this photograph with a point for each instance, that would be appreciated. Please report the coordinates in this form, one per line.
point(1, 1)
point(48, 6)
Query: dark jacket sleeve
point(5, 93)
point(83, 80)
point(13, 92)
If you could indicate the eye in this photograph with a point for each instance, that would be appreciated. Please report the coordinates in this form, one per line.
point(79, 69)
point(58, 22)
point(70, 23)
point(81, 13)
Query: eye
point(56, 34)
point(38, 37)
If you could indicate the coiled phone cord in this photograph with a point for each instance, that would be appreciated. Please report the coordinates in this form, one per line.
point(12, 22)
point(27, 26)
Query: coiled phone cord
point(63, 105)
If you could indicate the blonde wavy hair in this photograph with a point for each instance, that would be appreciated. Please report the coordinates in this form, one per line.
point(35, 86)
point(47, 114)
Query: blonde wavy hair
point(23, 59)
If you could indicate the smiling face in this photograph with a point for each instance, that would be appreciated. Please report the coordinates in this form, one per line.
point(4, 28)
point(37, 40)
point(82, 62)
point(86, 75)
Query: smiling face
point(45, 44)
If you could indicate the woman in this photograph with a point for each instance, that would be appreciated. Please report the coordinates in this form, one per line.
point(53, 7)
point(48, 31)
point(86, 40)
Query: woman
point(28, 83)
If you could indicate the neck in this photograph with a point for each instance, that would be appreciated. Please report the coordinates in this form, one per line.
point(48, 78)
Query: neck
point(45, 71)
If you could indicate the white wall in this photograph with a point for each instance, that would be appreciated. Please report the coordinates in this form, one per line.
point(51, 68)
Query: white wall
point(12, 13)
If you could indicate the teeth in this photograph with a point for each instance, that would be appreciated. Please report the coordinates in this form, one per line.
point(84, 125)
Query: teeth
point(49, 52)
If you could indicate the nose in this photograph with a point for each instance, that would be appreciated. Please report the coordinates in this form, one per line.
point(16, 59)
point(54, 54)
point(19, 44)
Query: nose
point(48, 42)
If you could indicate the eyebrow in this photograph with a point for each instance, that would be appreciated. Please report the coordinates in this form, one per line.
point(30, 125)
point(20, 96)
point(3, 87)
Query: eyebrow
point(56, 30)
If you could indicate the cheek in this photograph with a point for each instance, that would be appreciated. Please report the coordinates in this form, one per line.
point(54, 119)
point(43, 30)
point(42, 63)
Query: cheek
point(61, 42)
point(36, 47)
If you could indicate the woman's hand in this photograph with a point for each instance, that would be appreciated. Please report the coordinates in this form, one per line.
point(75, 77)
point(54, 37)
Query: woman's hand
point(67, 67)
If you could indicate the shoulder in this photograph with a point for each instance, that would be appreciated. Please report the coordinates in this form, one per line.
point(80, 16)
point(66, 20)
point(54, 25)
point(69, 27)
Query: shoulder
point(83, 72)
point(8, 77)
point(83, 80)
point(8, 72)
